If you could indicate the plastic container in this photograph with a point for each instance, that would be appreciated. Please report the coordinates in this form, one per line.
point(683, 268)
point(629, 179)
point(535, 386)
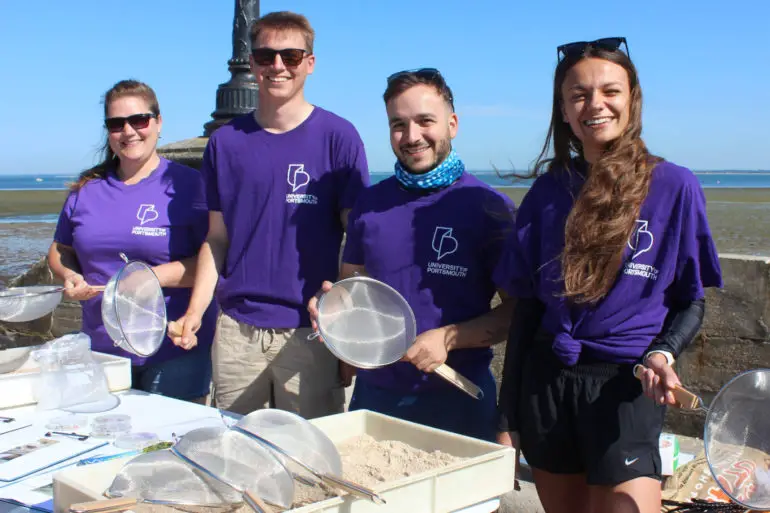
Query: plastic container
point(111, 425)
point(136, 441)
point(68, 423)
point(17, 388)
point(485, 474)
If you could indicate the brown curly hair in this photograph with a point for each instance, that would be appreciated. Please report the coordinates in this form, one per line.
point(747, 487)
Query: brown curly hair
point(605, 211)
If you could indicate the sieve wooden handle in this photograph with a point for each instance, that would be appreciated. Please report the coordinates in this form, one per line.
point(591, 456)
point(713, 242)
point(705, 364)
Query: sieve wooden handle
point(460, 381)
point(257, 504)
point(104, 505)
point(99, 288)
point(684, 398)
point(174, 329)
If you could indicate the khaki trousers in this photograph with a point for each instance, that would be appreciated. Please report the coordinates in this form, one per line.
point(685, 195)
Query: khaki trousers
point(257, 368)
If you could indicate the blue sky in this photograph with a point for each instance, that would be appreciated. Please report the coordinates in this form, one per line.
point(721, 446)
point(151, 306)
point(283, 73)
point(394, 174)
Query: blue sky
point(704, 69)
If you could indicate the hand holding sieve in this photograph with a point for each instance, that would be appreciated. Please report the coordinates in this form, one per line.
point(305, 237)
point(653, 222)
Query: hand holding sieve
point(368, 324)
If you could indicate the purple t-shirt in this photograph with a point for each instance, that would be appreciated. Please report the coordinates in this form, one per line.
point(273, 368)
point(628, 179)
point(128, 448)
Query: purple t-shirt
point(281, 197)
point(439, 250)
point(669, 258)
point(161, 219)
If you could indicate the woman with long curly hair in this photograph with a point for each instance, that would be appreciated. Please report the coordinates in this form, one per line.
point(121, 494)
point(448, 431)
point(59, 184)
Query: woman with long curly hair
point(609, 260)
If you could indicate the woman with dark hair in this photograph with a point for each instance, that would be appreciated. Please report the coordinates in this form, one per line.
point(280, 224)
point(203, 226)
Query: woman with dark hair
point(140, 204)
point(609, 260)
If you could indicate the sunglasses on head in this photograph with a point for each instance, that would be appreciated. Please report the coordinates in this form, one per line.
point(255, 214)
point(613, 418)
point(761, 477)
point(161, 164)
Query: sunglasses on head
point(611, 44)
point(425, 73)
point(289, 56)
point(137, 122)
point(431, 75)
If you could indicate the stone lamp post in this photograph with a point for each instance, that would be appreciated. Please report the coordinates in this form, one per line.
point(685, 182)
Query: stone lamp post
point(235, 97)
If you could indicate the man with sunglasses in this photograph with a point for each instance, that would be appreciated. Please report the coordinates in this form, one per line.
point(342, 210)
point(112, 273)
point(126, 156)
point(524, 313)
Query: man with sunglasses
point(434, 233)
point(279, 184)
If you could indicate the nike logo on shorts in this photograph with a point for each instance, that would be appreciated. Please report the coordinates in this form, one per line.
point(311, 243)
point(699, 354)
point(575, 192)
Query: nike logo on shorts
point(631, 462)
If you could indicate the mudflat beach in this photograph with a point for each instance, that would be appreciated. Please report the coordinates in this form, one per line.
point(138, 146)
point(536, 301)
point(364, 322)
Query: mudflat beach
point(739, 219)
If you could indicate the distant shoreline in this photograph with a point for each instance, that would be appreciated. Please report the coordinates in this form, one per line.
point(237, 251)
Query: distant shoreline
point(49, 201)
point(34, 202)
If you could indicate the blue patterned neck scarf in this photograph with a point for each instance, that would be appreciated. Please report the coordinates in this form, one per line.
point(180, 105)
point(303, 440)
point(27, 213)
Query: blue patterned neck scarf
point(442, 175)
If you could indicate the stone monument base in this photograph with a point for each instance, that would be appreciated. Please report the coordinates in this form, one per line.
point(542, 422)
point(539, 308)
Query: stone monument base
point(188, 151)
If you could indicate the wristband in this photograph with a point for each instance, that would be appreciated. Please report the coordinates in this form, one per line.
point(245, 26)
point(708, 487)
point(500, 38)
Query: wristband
point(669, 357)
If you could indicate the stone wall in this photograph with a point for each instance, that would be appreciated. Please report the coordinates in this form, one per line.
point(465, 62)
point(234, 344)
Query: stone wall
point(65, 319)
point(735, 335)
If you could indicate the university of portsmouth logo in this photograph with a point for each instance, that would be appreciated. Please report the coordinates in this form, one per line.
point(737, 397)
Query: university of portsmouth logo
point(640, 242)
point(298, 178)
point(444, 243)
point(641, 239)
point(147, 214)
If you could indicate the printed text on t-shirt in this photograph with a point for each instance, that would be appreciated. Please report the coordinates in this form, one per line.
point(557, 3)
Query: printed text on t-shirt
point(297, 178)
point(444, 244)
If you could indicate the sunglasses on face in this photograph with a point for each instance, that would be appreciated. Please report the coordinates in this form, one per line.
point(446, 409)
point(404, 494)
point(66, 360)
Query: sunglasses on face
point(289, 56)
point(431, 75)
point(611, 44)
point(137, 122)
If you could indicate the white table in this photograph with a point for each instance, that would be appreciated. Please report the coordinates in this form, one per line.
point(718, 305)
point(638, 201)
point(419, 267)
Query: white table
point(160, 415)
point(149, 413)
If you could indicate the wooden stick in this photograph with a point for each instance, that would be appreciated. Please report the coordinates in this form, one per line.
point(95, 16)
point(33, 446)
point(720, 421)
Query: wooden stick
point(684, 398)
point(460, 381)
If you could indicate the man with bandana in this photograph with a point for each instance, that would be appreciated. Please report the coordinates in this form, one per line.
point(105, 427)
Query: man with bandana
point(434, 233)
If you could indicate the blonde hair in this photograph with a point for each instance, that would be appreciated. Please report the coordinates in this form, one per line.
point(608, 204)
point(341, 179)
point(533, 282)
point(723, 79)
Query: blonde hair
point(284, 20)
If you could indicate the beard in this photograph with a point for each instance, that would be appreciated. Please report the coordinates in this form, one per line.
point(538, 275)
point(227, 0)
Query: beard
point(441, 148)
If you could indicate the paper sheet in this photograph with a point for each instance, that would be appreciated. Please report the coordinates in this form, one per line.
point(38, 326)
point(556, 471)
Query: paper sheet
point(27, 451)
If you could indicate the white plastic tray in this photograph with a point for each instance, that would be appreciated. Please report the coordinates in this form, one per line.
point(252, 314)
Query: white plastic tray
point(486, 473)
point(17, 388)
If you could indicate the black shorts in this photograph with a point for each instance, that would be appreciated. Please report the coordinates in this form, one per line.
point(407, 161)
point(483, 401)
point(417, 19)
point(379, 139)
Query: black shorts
point(592, 419)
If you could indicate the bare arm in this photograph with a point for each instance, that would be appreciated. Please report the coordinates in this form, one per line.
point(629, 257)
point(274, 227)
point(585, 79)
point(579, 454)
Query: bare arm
point(65, 266)
point(431, 348)
point(178, 274)
point(211, 259)
point(62, 260)
point(483, 331)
